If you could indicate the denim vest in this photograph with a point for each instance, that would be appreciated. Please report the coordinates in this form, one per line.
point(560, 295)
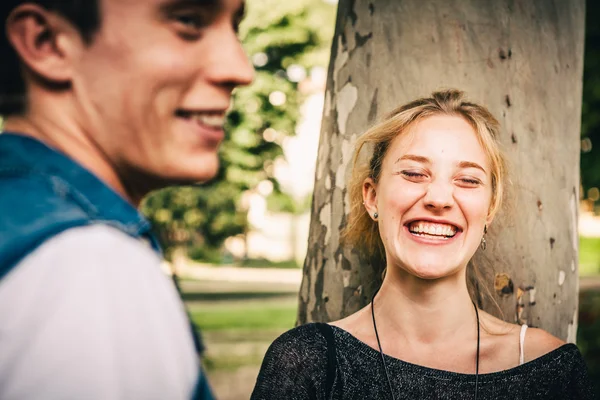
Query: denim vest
point(43, 193)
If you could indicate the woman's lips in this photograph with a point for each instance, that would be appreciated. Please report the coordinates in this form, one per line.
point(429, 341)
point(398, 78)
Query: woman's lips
point(425, 238)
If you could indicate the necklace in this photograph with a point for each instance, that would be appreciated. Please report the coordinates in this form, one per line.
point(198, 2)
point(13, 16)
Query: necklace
point(387, 375)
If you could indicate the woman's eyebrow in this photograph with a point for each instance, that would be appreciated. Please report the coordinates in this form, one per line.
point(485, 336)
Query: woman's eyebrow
point(470, 164)
point(414, 157)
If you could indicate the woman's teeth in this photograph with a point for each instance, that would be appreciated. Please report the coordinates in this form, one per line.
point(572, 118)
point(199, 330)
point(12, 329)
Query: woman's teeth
point(422, 228)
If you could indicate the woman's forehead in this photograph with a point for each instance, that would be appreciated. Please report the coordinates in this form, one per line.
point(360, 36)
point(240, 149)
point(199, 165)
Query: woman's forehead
point(439, 137)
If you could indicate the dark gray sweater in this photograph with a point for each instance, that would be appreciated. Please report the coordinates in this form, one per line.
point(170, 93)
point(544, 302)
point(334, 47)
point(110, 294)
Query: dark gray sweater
point(295, 367)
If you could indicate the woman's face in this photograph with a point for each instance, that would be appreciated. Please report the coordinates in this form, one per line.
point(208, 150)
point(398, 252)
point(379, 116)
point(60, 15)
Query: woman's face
point(433, 197)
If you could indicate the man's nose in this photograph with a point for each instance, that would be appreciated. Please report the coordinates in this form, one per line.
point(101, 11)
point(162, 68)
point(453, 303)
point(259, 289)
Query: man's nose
point(231, 67)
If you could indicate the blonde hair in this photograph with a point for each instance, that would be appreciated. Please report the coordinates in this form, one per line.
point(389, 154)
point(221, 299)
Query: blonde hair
point(361, 231)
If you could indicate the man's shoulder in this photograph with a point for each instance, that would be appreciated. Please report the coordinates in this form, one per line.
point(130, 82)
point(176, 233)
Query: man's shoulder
point(95, 244)
point(29, 196)
point(33, 210)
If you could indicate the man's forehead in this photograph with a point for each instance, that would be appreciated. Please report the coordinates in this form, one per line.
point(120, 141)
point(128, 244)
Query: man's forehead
point(160, 3)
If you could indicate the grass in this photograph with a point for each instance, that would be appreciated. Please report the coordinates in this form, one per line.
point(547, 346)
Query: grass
point(238, 333)
point(234, 348)
point(265, 315)
point(589, 256)
point(264, 263)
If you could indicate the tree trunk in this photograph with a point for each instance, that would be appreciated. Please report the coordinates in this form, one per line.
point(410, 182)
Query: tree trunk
point(521, 59)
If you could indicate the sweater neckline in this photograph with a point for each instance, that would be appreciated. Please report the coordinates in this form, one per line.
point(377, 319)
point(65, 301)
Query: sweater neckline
point(365, 349)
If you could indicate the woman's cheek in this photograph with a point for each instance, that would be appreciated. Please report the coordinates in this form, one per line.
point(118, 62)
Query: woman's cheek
point(474, 204)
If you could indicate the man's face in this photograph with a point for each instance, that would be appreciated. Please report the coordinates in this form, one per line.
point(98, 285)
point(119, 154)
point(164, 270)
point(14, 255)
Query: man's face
point(154, 85)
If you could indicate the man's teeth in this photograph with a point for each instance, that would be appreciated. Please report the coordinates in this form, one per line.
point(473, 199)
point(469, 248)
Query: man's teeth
point(429, 228)
point(213, 121)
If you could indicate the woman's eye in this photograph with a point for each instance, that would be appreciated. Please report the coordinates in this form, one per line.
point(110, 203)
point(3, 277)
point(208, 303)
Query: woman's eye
point(412, 174)
point(470, 181)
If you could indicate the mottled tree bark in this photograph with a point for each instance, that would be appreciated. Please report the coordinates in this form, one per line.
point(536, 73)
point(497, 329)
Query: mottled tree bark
point(523, 60)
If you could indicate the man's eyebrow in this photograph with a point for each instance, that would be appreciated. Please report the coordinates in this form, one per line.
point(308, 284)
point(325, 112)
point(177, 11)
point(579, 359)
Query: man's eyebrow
point(470, 164)
point(211, 3)
point(239, 15)
point(214, 5)
point(413, 157)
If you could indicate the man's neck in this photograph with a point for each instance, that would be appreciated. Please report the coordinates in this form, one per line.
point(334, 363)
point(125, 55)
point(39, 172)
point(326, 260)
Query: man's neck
point(63, 134)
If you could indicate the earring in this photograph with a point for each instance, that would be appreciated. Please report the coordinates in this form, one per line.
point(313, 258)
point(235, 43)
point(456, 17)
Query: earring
point(483, 242)
point(376, 215)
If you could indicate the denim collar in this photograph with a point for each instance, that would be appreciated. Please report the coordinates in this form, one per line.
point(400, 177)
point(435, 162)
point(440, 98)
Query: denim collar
point(22, 155)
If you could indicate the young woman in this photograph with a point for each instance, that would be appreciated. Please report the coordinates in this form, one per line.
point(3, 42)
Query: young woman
point(432, 187)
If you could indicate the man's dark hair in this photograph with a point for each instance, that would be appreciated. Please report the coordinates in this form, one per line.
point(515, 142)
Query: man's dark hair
point(83, 14)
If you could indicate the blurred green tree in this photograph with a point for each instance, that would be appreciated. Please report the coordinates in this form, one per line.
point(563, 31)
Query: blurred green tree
point(284, 40)
point(590, 119)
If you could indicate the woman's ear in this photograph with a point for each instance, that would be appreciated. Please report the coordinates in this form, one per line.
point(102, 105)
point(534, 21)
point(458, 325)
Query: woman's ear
point(369, 191)
point(489, 219)
point(42, 39)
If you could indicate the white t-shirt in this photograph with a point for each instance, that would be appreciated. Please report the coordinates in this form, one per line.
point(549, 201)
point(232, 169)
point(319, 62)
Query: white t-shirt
point(91, 315)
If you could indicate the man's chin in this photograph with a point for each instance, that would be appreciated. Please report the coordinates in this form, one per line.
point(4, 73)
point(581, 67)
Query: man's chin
point(197, 171)
point(188, 177)
point(192, 179)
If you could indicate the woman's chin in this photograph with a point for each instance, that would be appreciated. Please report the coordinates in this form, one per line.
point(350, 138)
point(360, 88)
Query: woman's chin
point(431, 271)
point(429, 275)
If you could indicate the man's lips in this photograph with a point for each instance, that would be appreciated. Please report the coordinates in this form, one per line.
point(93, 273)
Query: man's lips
point(210, 119)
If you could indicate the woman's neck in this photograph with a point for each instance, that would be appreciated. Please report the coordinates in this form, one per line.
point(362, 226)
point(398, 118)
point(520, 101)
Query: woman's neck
point(424, 311)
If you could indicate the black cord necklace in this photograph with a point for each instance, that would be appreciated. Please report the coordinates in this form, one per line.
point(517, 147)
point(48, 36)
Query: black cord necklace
point(387, 375)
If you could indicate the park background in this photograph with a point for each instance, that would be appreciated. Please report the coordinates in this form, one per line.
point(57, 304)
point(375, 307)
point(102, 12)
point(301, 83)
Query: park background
point(238, 243)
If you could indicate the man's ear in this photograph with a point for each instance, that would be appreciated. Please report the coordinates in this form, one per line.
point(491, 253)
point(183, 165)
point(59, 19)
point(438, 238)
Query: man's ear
point(369, 191)
point(44, 42)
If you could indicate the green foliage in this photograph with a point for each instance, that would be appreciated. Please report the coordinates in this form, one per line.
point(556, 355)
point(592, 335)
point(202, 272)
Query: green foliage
point(277, 35)
point(590, 119)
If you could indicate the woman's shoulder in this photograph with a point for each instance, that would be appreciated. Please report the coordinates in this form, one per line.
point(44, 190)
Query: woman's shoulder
point(509, 342)
point(538, 342)
point(294, 366)
point(310, 333)
point(302, 344)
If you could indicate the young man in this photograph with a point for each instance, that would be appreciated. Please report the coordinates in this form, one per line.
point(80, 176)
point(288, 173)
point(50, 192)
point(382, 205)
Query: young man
point(104, 101)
